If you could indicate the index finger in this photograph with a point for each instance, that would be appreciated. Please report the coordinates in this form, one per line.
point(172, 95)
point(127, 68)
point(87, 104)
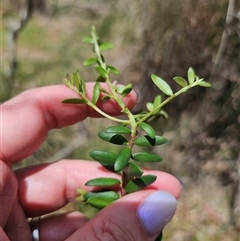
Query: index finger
point(27, 118)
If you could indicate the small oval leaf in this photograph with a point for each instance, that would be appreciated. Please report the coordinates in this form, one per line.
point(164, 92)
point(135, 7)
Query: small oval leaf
point(146, 157)
point(118, 130)
point(74, 101)
point(88, 210)
point(122, 160)
point(181, 81)
point(124, 90)
point(100, 79)
point(139, 183)
point(103, 182)
point(148, 129)
point(76, 79)
point(162, 85)
point(112, 138)
point(90, 61)
point(101, 71)
point(87, 40)
point(148, 141)
point(191, 75)
point(108, 194)
point(105, 98)
point(113, 70)
point(150, 106)
point(96, 93)
point(104, 157)
point(100, 202)
point(127, 90)
point(104, 46)
point(204, 84)
point(157, 101)
point(134, 170)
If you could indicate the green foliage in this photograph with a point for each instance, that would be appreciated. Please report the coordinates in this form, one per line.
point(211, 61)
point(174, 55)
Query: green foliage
point(112, 138)
point(127, 132)
point(99, 202)
point(162, 85)
point(148, 129)
point(146, 157)
point(123, 159)
point(139, 183)
point(102, 182)
point(148, 141)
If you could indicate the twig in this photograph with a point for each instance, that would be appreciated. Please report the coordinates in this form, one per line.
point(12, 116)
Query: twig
point(224, 40)
point(15, 27)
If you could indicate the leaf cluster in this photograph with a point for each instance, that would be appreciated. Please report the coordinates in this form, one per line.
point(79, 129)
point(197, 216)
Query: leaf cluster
point(126, 162)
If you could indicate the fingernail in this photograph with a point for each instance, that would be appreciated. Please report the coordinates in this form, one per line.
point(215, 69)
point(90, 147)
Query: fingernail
point(155, 211)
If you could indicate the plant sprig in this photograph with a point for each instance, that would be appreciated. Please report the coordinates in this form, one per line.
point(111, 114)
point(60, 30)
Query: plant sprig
point(125, 133)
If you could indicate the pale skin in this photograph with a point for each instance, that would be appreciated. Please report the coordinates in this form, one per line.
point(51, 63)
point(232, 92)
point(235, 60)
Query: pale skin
point(41, 189)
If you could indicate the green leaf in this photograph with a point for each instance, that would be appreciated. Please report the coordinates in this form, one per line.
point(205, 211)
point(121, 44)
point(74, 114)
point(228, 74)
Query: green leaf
point(191, 75)
point(68, 81)
point(82, 88)
point(204, 84)
point(99, 202)
point(87, 40)
point(146, 157)
point(90, 61)
point(148, 141)
point(124, 90)
point(96, 93)
point(120, 89)
point(104, 157)
point(139, 183)
point(157, 101)
point(81, 191)
point(100, 79)
point(150, 106)
point(113, 70)
point(112, 138)
point(118, 130)
point(101, 71)
point(87, 209)
point(162, 85)
point(105, 98)
point(134, 170)
point(104, 46)
point(164, 113)
point(103, 182)
point(74, 101)
point(148, 129)
point(181, 81)
point(109, 194)
point(122, 160)
point(104, 91)
point(77, 80)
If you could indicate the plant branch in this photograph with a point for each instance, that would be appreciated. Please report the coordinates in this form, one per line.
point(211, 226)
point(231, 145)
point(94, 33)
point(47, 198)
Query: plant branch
point(151, 113)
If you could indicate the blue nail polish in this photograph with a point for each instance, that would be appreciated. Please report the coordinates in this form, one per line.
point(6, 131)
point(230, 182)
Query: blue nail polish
point(156, 210)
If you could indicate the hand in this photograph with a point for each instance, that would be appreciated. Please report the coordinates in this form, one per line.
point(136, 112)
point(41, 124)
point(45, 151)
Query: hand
point(38, 190)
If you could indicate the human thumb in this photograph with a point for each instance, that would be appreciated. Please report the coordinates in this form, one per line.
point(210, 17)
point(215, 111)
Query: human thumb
point(138, 216)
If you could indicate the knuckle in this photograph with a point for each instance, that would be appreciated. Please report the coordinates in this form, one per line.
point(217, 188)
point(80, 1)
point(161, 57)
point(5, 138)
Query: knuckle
point(108, 230)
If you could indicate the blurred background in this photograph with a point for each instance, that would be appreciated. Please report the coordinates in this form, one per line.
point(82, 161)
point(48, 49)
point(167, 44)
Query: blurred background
point(41, 42)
